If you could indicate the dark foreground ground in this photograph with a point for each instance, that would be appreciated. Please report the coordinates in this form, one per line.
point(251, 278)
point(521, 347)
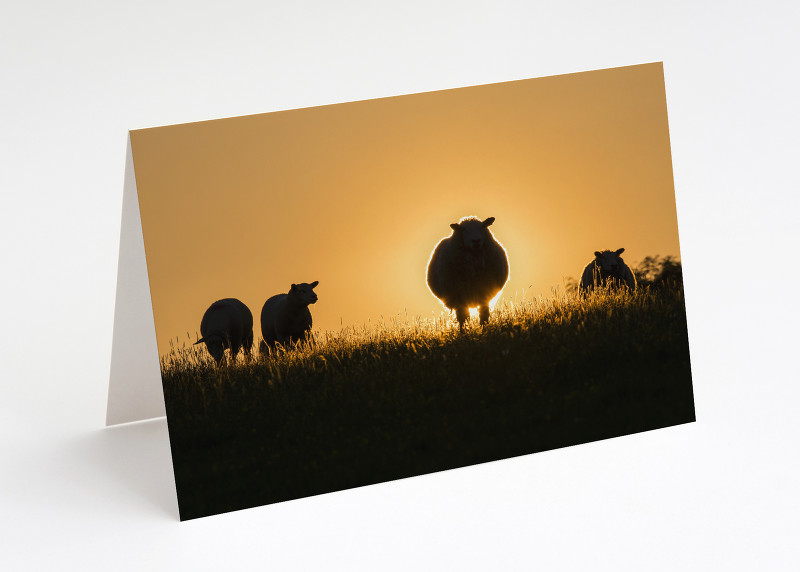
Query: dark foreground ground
point(334, 419)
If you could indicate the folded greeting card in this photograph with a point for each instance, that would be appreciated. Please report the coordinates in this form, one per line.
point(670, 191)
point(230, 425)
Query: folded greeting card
point(339, 296)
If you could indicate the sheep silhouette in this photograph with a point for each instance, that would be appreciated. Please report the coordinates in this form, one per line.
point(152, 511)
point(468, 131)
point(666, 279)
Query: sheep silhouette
point(227, 324)
point(468, 268)
point(607, 269)
point(285, 318)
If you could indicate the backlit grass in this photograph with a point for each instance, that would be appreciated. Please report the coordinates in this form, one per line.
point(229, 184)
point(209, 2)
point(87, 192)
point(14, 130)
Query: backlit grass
point(405, 397)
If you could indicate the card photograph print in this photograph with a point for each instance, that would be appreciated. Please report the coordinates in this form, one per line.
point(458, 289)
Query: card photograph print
point(355, 293)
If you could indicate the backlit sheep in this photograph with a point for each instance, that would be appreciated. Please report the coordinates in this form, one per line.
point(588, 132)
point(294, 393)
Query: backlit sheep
point(286, 317)
point(609, 269)
point(227, 324)
point(468, 268)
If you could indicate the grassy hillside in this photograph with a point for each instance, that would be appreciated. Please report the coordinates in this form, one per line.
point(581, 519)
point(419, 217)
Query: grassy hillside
point(411, 397)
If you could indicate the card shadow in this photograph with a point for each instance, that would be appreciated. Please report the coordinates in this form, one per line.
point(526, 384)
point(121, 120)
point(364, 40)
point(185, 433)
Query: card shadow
point(137, 457)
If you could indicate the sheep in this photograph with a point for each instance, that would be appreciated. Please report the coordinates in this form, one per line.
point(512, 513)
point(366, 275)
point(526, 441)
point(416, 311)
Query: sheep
point(286, 317)
point(468, 268)
point(227, 324)
point(609, 269)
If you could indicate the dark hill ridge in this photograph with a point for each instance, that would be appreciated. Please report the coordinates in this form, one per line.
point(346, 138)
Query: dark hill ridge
point(411, 399)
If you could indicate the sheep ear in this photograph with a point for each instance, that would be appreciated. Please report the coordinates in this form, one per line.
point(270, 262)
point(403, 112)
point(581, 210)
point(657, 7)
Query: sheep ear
point(597, 253)
point(314, 283)
point(620, 251)
point(488, 221)
point(455, 226)
point(200, 341)
point(293, 288)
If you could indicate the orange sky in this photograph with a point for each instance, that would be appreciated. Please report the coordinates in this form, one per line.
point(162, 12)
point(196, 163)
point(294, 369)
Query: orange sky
point(356, 195)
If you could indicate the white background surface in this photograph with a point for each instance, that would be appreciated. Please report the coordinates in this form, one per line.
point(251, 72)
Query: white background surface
point(717, 494)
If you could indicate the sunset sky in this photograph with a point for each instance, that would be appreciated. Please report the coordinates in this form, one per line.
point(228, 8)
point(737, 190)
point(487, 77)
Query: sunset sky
point(356, 195)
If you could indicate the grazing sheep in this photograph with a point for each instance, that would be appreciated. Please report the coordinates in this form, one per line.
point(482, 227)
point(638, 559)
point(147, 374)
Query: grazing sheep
point(227, 324)
point(286, 317)
point(607, 268)
point(468, 268)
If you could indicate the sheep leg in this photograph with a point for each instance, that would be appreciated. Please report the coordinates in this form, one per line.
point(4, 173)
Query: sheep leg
point(462, 313)
point(234, 352)
point(248, 345)
point(483, 312)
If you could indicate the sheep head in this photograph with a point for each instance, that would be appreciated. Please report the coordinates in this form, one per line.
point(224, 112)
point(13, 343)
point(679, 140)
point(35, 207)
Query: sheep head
point(304, 293)
point(609, 263)
point(472, 232)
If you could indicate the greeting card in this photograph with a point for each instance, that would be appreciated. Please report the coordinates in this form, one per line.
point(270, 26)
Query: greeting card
point(344, 295)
